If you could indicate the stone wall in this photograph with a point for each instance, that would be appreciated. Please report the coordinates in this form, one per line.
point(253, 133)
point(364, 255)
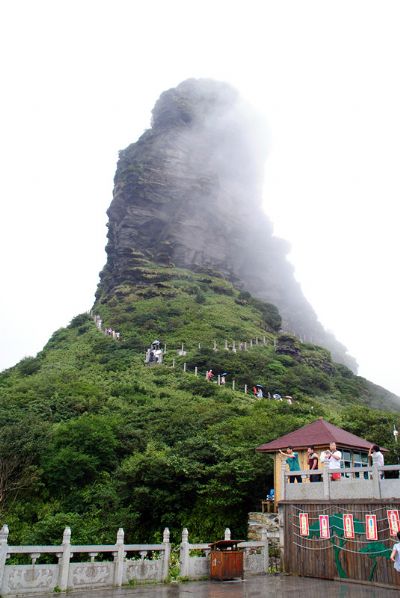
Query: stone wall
point(263, 521)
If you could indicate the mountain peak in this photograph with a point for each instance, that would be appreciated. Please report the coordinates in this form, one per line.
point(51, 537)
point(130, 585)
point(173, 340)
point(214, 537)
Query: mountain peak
point(188, 194)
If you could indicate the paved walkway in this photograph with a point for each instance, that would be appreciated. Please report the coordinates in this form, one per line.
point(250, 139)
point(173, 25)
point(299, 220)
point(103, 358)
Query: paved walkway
point(268, 586)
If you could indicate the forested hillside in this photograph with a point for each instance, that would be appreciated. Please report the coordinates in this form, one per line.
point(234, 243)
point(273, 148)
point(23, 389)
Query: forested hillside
point(93, 438)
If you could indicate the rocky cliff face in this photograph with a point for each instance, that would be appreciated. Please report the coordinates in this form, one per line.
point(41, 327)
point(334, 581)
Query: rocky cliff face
point(188, 193)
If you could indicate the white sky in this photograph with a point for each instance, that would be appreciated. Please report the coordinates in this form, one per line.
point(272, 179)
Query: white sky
point(79, 79)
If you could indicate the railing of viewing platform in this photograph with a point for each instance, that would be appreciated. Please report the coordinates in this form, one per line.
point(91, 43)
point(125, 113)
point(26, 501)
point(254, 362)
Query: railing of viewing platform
point(354, 482)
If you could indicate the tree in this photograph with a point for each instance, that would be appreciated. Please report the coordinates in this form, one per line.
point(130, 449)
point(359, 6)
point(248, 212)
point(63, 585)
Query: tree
point(20, 445)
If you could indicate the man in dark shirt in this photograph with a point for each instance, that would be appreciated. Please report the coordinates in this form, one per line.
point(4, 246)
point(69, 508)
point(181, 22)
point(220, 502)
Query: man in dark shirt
point(312, 458)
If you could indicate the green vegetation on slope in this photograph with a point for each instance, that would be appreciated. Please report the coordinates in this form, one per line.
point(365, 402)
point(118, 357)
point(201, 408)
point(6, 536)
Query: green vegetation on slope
point(93, 438)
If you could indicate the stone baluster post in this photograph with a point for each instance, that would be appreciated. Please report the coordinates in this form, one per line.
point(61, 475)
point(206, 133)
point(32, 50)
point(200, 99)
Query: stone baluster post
point(65, 559)
point(173, 363)
point(3, 551)
point(227, 534)
point(233, 384)
point(251, 342)
point(326, 480)
point(166, 555)
point(264, 340)
point(184, 554)
point(184, 367)
point(245, 389)
point(196, 371)
point(219, 380)
point(245, 345)
point(234, 347)
point(34, 556)
point(264, 540)
point(119, 557)
point(226, 346)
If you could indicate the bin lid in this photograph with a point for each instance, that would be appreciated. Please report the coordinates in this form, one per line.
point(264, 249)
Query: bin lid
point(225, 544)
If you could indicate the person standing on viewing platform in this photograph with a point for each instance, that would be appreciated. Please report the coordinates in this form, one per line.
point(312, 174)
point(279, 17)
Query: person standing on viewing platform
point(333, 457)
point(312, 459)
point(375, 455)
point(292, 460)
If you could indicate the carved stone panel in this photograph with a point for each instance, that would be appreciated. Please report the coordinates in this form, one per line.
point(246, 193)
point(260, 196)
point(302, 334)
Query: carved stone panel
point(90, 574)
point(199, 566)
point(143, 570)
point(32, 578)
point(254, 564)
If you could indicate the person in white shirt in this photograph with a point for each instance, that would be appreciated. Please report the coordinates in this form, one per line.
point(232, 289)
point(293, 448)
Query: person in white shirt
point(333, 456)
point(395, 556)
point(376, 457)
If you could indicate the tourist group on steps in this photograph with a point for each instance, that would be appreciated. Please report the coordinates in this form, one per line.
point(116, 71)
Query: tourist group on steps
point(155, 354)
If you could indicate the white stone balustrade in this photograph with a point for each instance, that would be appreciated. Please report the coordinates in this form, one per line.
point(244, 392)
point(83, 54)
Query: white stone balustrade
point(128, 562)
point(67, 575)
point(355, 483)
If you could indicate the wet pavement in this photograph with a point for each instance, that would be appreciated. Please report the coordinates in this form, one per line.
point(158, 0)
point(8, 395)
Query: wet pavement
point(268, 586)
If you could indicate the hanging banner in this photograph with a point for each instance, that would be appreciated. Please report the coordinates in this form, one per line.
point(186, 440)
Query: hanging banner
point(304, 529)
point(348, 526)
point(371, 529)
point(394, 522)
point(324, 530)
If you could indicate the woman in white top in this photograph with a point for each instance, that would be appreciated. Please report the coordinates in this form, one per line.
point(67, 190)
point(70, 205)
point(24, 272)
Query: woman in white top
point(377, 458)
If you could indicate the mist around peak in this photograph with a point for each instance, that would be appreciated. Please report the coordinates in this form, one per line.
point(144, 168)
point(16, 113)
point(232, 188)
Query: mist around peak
point(188, 194)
